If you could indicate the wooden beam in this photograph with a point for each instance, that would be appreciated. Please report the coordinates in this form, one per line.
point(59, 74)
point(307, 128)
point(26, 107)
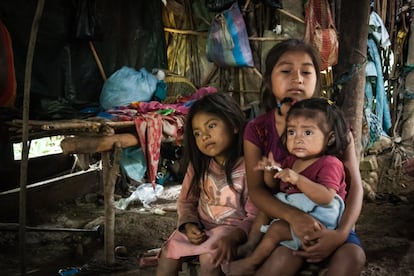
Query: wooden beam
point(93, 144)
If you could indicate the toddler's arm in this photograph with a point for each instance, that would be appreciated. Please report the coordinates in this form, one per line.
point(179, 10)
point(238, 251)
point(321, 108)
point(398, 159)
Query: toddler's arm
point(317, 192)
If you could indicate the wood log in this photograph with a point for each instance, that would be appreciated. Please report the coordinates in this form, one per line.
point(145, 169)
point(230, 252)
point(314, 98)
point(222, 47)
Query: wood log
point(354, 16)
point(87, 144)
point(93, 126)
point(95, 123)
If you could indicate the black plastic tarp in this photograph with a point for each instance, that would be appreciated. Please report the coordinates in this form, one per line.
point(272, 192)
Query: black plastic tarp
point(65, 75)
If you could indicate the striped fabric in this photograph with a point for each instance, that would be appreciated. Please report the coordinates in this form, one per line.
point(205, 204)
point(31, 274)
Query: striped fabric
point(228, 43)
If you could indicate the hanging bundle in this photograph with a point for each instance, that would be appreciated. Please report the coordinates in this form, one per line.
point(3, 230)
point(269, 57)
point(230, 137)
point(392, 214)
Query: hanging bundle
point(320, 31)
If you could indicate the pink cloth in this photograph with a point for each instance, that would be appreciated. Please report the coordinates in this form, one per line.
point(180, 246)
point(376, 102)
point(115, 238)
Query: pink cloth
point(218, 209)
point(149, 129)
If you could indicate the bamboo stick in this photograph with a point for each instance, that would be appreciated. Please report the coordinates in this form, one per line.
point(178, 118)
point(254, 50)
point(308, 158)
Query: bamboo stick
point(188, 32)
point(291, 15)
point(97, 60)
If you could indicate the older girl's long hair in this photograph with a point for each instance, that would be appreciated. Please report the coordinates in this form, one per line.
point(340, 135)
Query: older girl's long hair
point(268, 100)
point(226, 108)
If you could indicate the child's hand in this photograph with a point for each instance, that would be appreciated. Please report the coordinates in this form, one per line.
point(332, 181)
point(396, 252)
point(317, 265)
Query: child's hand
point(268, 164)
point(194, 234)
point(288, 175)
point(269, 167)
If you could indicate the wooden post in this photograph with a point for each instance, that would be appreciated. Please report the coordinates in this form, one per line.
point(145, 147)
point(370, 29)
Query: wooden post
point(110, 172)
point(407, 129)
point(25, 135)
point(353, 40)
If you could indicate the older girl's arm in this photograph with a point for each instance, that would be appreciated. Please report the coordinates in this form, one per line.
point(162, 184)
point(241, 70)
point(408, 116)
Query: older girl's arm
point(355, 194)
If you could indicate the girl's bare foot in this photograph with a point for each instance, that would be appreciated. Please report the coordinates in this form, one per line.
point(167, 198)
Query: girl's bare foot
point(240, 267)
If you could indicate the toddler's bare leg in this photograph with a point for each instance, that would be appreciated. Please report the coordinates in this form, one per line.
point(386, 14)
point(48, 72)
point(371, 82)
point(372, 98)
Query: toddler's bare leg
point(207, 267)
point(281, 262)
point(255, 235)
point(277, 232)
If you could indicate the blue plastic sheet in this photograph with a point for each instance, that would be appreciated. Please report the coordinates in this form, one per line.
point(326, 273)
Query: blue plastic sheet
point(127, 85)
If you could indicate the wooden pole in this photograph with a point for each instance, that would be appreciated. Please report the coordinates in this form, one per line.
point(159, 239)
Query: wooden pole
point(110, 173)
point(353, 40)
point(97, 60)
point(407, 128)
point(25, 135)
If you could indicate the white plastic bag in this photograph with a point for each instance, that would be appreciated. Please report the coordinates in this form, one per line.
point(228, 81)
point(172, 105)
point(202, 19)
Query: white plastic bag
point(145, 193)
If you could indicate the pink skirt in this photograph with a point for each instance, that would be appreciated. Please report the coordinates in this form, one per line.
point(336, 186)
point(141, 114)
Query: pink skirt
point(178, 246)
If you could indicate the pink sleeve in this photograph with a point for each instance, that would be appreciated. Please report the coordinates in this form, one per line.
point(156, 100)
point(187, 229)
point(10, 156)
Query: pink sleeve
point(187, 205)
point(251, 213)
point(249, 208)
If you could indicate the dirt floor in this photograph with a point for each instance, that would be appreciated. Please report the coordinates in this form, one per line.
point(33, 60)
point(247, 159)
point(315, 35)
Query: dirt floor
point(386, 228)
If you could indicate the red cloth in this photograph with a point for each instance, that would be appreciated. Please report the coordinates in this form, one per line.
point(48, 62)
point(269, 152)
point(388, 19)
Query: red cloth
point(7, 74)
point(149, 129)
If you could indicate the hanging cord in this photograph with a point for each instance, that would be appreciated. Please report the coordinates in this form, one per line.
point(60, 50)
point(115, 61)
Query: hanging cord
point(348, 75)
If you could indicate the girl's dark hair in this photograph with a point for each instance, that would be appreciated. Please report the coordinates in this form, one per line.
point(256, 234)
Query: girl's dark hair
point(330, 118)
point(226, 108)
point(268, 100)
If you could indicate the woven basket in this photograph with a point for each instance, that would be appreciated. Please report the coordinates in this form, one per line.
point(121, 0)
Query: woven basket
point(178, 87)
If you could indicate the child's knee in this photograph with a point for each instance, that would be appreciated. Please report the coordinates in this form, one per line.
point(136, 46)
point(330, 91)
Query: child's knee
point(206, 261)
point(207, 266)
point(351, 253)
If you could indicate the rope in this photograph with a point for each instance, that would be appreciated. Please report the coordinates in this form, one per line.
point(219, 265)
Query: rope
point(345, 77)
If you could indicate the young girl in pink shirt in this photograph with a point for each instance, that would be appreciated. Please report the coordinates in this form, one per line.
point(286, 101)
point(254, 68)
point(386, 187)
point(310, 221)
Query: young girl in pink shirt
point(214, 211)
